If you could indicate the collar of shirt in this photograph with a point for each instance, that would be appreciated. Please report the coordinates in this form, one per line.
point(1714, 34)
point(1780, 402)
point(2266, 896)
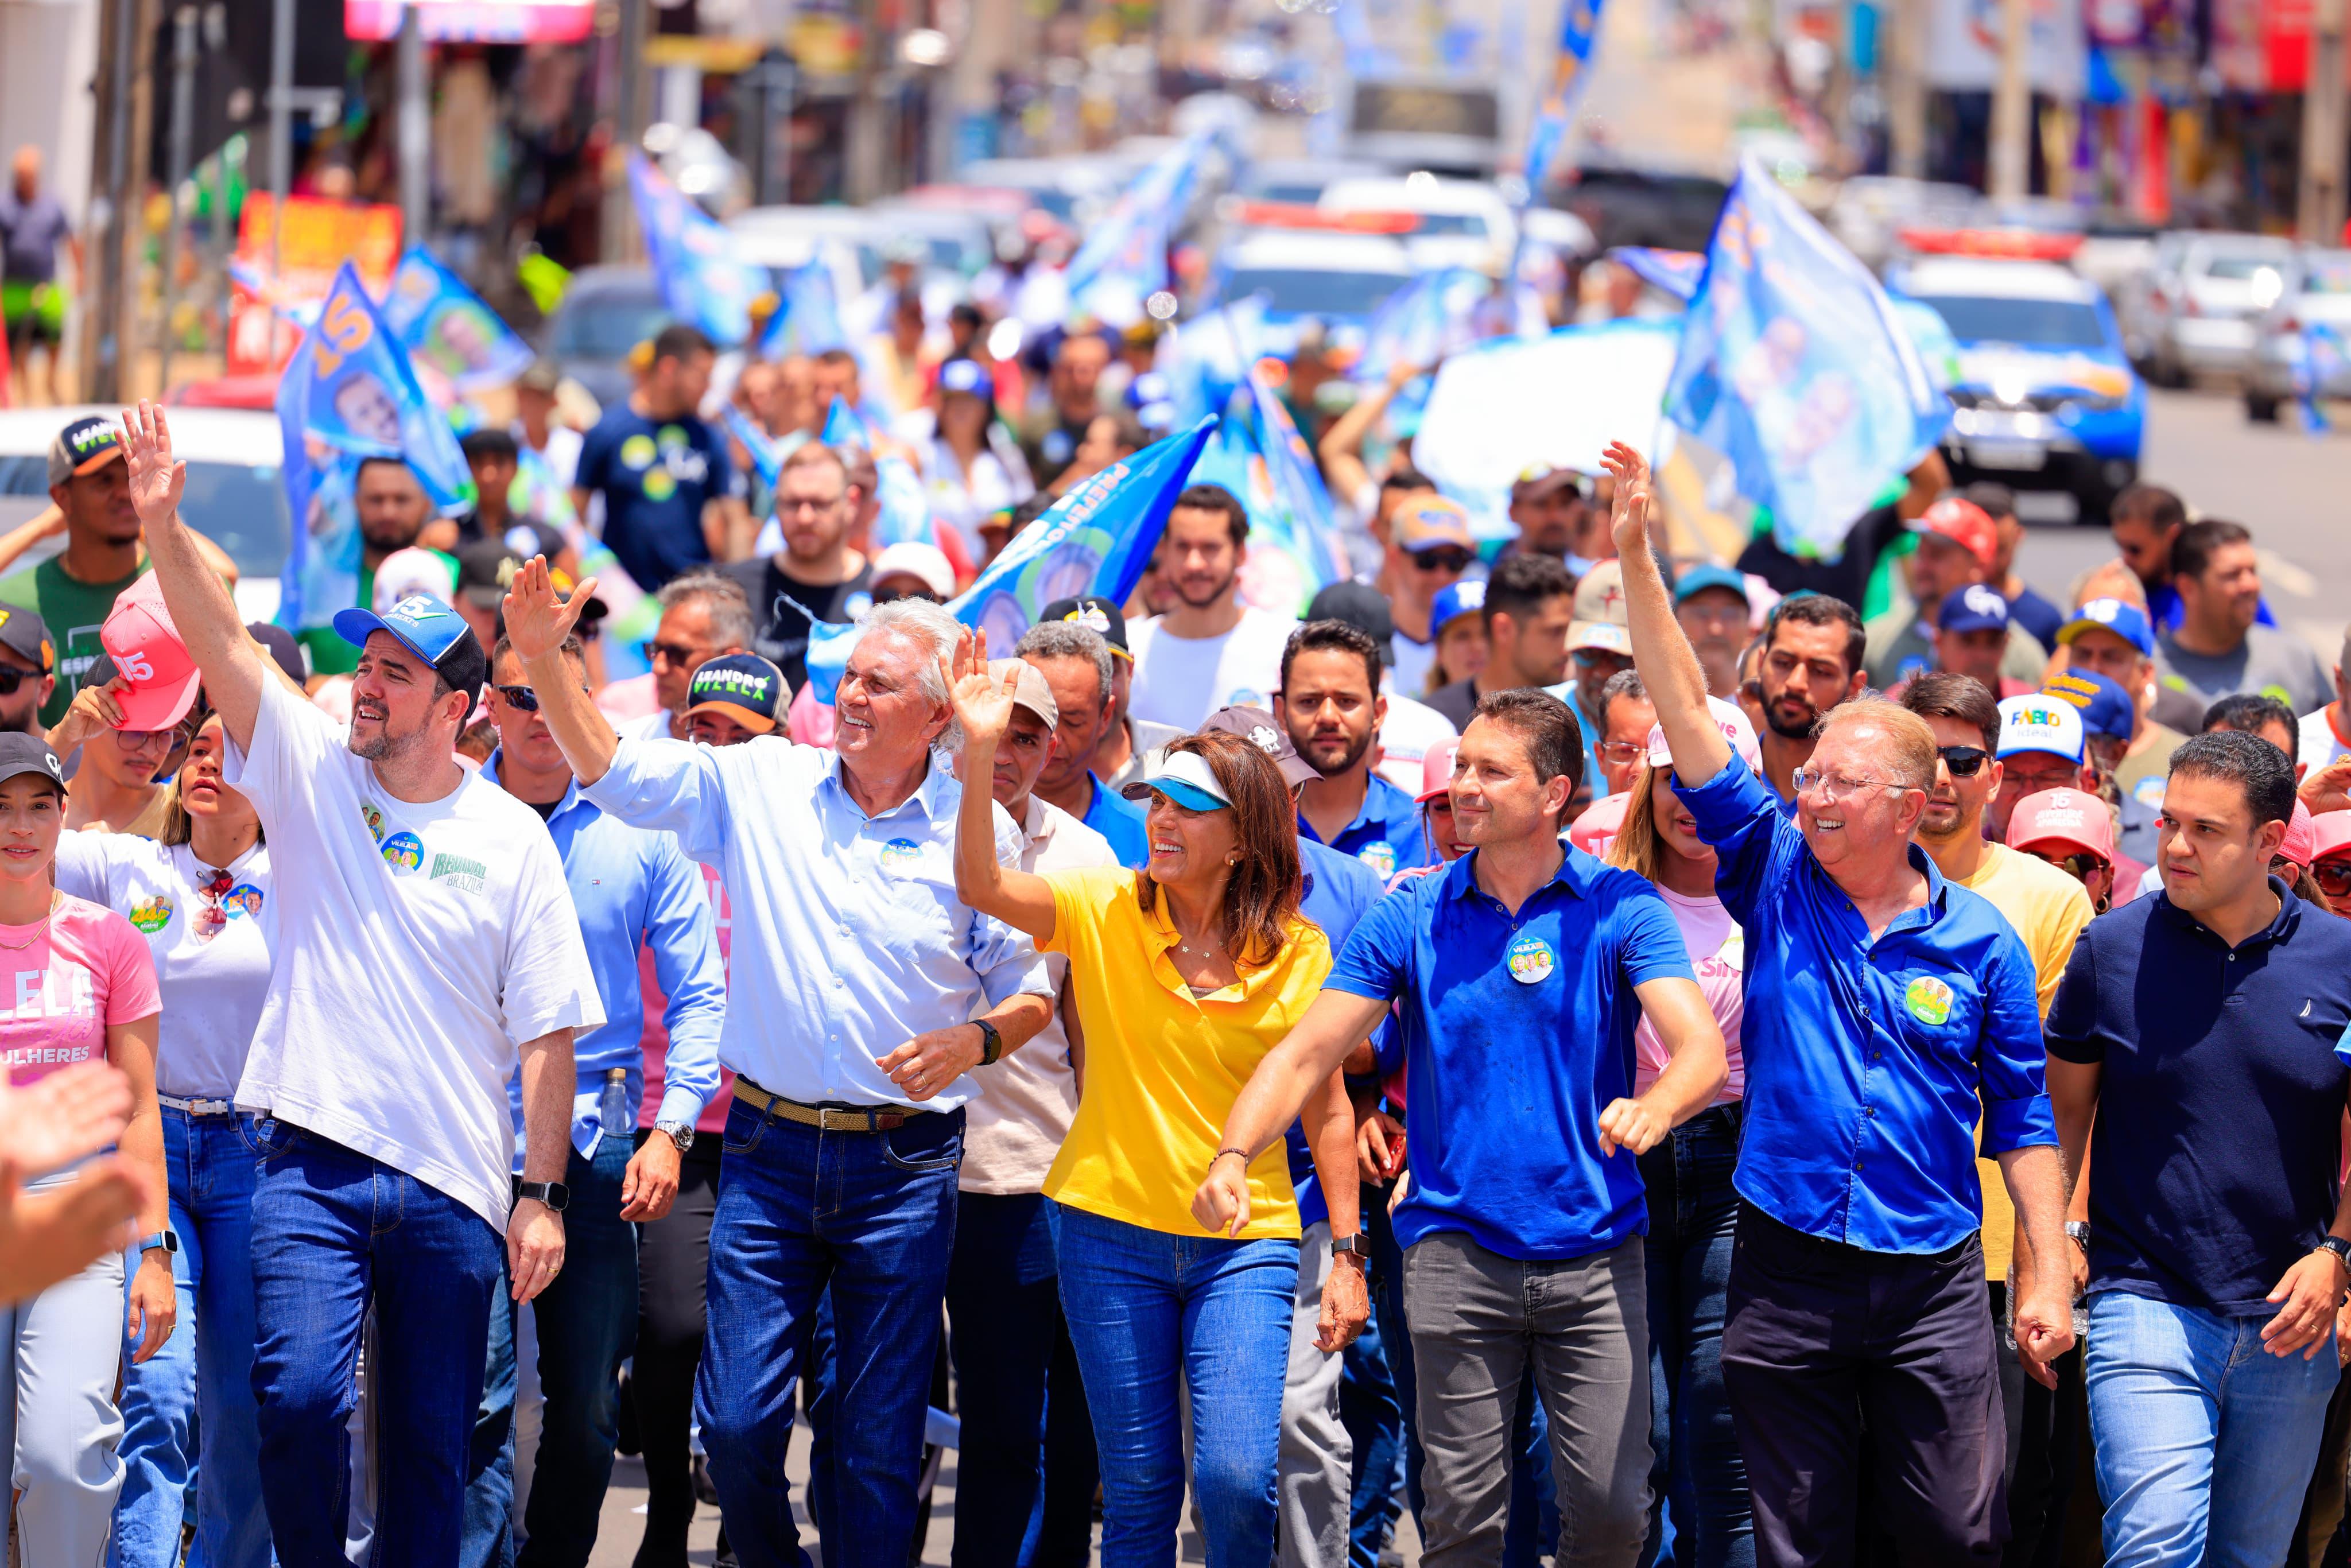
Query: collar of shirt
point(2281, 925)
point(1387, 815)
point(925, 799)
point(1461, 880)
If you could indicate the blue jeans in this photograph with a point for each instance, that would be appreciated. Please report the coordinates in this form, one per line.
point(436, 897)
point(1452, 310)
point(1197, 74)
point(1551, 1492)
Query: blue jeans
point(1700, 1518)
point(2204, 1440)
point(202, 1380)
point(1025, 1470)
point(1145, 1309)
point(333, 1229)
point(587, 1323)
point(871, 1215)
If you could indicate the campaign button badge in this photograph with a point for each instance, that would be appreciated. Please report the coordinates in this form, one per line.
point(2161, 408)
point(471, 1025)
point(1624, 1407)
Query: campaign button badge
point(901, 855)
point(1530, 960)
point(1381, 856)
point(1928, 999)
point(403, 852)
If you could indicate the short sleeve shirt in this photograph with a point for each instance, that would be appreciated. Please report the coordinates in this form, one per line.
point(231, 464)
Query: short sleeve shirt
point(74, 977)
point(655, 476)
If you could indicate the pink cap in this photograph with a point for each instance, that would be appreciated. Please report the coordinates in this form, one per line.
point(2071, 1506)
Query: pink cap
point(1594, 830)
point(2064, 817)
point(1437, 771)
point(2301, 842)
point(1735, 729)
point(147, 652)
point(2330, 835)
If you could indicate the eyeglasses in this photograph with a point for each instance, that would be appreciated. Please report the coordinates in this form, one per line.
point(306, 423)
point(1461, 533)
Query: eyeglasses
point(666, 652)
point(132, 739)
point(2333, 877)
point(1834, 787)
point(2078, 866)
point(1621, 750)
point(1442, 560)
point(1964, 761)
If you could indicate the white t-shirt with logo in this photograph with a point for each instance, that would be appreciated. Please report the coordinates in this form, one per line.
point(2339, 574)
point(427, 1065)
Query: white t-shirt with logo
point(1183, 680)
point(2322, 743)
point(213, 987)
point(422, 946)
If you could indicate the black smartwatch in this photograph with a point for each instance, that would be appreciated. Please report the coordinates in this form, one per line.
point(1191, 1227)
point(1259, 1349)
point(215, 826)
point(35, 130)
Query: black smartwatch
point(991, 1044)
point(554, 1194)
point(1355, 1244)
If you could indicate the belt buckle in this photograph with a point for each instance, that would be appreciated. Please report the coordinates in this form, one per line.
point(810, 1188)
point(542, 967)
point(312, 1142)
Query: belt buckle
point(831, 1119)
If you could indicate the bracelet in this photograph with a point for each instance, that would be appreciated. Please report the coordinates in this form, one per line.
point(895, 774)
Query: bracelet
point(1229, 1149)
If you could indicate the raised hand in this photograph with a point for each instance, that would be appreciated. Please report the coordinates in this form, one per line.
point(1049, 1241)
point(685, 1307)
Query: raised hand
point(73, 1111)
point(156, 481)
point(1628, 515)
point(538, 620)
point(983, 703)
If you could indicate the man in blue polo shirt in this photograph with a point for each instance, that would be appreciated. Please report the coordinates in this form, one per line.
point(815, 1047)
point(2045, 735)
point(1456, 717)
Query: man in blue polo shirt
point(1522, 968)
point(1329, 704)
point(2199, 1028)
point(1887, 1011)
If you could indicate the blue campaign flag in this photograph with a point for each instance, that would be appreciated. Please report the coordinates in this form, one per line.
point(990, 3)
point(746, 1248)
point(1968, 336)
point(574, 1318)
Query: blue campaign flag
point(1097, 538)
point(1793, 365)
point(702, 281)
point(1674, 272)
point(767, 456)
point(448, 330)
point(1434, 315)
point(1579, 30)
point(808, 316)
point(349, 390)
point(1125, 259)
point(844, 426)
point(2319, 356)
point(904, 507)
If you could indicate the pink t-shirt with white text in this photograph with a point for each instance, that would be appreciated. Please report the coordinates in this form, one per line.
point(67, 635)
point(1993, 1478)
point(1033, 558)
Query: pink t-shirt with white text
point(82, 973)
point(1718, 955)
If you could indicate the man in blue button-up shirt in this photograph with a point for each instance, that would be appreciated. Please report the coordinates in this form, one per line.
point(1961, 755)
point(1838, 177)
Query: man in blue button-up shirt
point(1887, 1011)
point(1330, 704)
point(631, 890)
point(862, 994)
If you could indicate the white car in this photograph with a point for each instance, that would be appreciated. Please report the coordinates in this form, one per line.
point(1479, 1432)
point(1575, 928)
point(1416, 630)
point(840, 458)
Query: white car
point(1462, 222)
point(1311, 272)
point(235, 495)
point(2201, 314)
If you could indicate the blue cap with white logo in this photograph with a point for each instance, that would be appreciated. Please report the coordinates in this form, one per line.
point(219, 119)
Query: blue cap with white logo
point(1974, 608)
point(2120, 616)
point(1455, 599)
point(428, 628)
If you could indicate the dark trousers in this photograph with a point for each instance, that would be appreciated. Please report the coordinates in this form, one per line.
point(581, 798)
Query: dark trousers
point(1027, 1469)
point(673, 1259)
point(2042, 1451)
point(1822, 1336)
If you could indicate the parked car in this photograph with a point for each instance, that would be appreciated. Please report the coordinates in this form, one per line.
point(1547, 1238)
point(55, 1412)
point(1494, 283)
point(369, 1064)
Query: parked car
point(235, 495)
point(2303, 336)
point(2200, 312)
point(606, 312)
point(1457, 223)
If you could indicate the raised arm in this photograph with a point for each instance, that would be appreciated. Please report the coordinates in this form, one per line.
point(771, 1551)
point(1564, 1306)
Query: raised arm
point(1021, 899)
point(1341, 449)
point(202, 610)
point(1661, 651)
point(536, 624)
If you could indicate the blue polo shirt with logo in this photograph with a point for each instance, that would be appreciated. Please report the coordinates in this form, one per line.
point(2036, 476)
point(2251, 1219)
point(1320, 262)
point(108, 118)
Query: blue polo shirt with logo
point(1385, 834)
point(1517, 1032)
point(654, 476)
point(1869, 1062)
point(1120, 820)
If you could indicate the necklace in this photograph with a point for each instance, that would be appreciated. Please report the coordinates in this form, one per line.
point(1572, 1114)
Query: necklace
point(37, 936)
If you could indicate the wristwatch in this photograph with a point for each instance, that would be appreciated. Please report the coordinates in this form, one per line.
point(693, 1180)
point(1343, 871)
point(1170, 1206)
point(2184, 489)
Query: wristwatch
point(2077, 1231)
point(2338, 1246)
point(168, 1240)
point(554, 1194)
point(1355, 1244)
point(991, 1044)
point(680, 1133)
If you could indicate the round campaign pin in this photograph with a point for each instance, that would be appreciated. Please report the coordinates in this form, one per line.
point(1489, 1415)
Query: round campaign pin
point(1530, 960)
point(901, 855)
point(1928, 999)
point(403, 852)
point(1381, 856)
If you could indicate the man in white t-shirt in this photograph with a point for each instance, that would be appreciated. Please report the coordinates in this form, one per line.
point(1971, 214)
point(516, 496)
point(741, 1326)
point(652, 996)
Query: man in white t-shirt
point(427, 944)
point(2324, 728)
point(1209, 652)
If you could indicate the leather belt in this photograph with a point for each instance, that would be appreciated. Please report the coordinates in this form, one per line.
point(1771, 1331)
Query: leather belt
point(198, 1107)
point(824, 1118)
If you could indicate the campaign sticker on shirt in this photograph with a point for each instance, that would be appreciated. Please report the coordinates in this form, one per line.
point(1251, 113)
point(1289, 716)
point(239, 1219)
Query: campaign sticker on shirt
point(152, 914)
point(2148, 792)
point(1928, 999)
point(245, 899)
point(638, 452)
point(1380, 856)
point(403, 852)
point(1530, 960)
point(657, 485)
point(901, 855)
point(372, 816)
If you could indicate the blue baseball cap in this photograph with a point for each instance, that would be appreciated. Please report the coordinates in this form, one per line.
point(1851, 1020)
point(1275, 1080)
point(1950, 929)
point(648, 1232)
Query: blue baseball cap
point(1698, 579)
point(1455, 599)
point(966, 376)
point(1974, 608)
point(2120, 616)
point(2107, 708)
point(428, 628)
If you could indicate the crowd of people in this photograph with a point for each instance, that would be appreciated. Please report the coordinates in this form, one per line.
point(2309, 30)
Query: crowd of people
point(1606, 1052)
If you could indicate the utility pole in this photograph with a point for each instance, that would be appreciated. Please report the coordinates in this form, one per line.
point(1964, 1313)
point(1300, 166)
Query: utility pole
point(184, 114)
point(1906, 89)
point(2324, 130)
point(106, 327)
point(281, 143)
point(414, 129)
point(2011, 106)
point(620, 227)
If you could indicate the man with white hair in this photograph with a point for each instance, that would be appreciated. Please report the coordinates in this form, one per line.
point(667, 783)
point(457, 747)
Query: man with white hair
point(1888, 1008)
point(851, 1029)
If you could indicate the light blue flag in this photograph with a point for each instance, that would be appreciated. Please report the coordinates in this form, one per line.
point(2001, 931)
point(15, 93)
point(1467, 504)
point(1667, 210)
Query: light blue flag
point(1304, 525)
point(808, 318)
point(1579, 30)
point(1794, 366)
point(844, 426)
point(903, 513)
point(701, 279)
point(448, 330)
point(1124, 260)
point(1437, 314)
point(349, 390)
point(1097, 538)
point(1675, 272)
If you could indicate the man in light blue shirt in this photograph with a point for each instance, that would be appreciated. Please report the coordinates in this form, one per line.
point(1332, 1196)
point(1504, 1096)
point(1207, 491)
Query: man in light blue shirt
point(631, 889)
point(864, 995)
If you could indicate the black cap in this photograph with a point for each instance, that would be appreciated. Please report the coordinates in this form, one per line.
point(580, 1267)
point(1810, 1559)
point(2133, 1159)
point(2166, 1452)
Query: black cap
point(88, 443)
point(1095, 614)
point(26, 634)
point(22, 753)
point(748, 689)
point(1362, 606)
point(485, 570)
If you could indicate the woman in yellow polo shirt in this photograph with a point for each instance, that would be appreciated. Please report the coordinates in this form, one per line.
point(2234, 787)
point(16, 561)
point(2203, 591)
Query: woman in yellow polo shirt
point(1185, 975)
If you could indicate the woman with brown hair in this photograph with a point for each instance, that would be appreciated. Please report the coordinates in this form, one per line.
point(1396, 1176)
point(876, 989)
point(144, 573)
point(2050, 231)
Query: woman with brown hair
point(1182, 975)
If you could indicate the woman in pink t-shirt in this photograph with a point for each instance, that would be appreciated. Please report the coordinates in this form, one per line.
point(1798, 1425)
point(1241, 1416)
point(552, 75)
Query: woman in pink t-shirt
point(77, 984)
point(1692, 1205)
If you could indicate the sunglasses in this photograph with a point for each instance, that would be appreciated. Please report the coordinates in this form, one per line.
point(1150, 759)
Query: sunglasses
point(10, 679)
point(2333, 877)
point(522, 700)
point(1442, 560)
point(211, 918)
point(1964, 761)
point(666, 652)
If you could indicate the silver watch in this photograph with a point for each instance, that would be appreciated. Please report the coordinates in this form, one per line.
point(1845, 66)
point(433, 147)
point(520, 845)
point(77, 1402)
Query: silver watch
point(680, 1133)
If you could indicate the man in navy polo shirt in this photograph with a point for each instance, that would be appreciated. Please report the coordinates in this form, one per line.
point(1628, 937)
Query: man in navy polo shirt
point(2199, 1028)
point(1330, 703)
point(1521, 969)
point(1887, 1011)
